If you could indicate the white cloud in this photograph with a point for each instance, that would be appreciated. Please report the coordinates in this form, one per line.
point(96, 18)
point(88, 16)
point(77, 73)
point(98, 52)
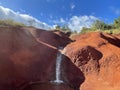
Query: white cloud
point(72, 6)
point(59, 21)
point(115, 10)
point(54, 26)
point(62, 20)
point(6, 13)
point(74, 23)
point(78, 22)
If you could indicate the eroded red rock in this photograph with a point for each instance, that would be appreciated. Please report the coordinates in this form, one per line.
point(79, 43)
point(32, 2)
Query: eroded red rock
point(29, 55)
point(98, 57)
point(23, 58)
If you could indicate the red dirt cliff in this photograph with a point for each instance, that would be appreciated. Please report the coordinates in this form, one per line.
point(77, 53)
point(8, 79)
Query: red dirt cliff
point(98, 56)
point(28, 55)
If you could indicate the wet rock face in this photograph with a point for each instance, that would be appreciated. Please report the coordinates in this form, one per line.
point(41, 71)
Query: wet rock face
point(97, 55)
point(71, 74)
point(27, 55)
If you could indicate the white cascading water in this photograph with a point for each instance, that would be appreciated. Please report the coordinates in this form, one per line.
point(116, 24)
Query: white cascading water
point(58, 67)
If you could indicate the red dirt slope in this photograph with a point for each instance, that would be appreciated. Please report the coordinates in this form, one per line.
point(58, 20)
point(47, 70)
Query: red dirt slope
point(98, 57)
point(29, 55)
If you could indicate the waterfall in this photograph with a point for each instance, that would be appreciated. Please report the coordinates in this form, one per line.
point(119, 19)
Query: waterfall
point(58, 67)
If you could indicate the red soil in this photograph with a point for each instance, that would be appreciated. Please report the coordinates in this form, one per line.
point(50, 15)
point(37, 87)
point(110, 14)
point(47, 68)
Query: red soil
point(98, 57)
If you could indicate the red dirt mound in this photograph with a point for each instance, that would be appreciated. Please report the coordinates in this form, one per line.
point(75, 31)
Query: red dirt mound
point(98, 56)
point(27, 55)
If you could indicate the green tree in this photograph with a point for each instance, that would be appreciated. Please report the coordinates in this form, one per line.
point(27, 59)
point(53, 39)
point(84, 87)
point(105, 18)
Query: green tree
point(98, 25)
point(108, 27)
point(117, 23)
point(65, 28)
point(84, 30)
point(57, 27)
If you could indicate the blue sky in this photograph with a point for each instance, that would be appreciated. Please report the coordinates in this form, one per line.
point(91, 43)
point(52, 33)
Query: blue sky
point(54, 12)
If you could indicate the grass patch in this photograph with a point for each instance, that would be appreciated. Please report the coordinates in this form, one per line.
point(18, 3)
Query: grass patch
point(9, 22)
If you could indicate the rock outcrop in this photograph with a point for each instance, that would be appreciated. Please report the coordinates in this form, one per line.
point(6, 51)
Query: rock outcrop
point(97, 55)
point(23, 59)
point(28, 55)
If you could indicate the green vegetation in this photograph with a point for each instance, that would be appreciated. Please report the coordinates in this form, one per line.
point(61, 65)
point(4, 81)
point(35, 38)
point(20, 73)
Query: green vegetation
point(103, 27)
point(9, 22)
point(98, 25)
point(64, 28)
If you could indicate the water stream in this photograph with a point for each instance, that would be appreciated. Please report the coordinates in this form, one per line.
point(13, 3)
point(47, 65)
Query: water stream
point(58, 67)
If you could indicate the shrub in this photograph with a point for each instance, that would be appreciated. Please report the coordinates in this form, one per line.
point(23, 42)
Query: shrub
point(9, 22)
